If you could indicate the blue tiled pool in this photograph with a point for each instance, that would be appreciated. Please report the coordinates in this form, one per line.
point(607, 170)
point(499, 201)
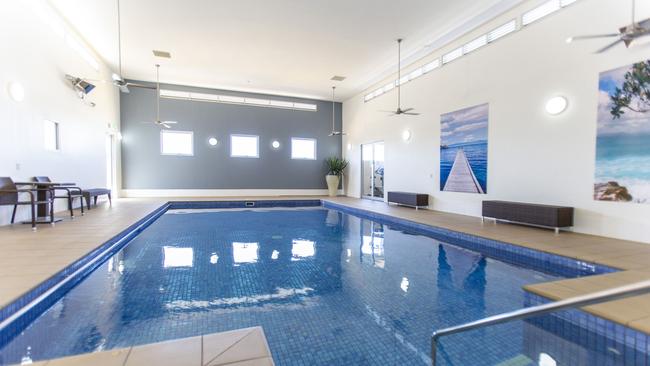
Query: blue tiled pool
point(329, 288)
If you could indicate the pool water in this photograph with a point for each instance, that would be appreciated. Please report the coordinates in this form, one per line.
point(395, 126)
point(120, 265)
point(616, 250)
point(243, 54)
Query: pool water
point(327, 287)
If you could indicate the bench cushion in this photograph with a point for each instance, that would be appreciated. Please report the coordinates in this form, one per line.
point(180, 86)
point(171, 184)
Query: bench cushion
point(409, 198)
point(529, 213)
point(96, 191)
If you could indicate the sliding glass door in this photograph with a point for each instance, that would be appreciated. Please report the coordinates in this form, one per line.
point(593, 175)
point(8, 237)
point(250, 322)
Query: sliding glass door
point(372, 170)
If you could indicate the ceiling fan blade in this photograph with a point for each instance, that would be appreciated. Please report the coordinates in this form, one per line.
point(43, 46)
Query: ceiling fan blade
point(609, 46)
point(166, 125)
point(592, 36)
point(411, 113)
point(407, 110)
point(170, 122)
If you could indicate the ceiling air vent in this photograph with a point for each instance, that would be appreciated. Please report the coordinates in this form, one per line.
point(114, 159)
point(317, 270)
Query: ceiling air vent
point(337, 78)
point(164, 54)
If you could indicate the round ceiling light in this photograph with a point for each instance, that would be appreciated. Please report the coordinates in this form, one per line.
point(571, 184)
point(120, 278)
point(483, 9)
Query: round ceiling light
point(213, 141)
point(406, 135)
point(16, 91)
point(556, 105)
point(275, 144)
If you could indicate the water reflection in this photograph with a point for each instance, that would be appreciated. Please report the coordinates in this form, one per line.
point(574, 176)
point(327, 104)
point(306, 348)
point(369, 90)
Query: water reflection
point(301, 248)
point(178, 257)
point(372, 243)
point(293, 272)
point(244, 252)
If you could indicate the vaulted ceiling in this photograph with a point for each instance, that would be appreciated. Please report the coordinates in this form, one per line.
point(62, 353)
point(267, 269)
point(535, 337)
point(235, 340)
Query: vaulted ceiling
point(288, 47)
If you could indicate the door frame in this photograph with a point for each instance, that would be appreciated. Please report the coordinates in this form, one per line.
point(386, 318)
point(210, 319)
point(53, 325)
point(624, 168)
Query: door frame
point(372, 180)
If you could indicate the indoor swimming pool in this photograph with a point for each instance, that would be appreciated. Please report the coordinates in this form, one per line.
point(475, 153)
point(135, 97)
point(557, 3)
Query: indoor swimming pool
point(328, 288)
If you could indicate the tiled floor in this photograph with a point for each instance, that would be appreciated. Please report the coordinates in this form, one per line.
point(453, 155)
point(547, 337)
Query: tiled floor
point(28, 258)
point(242, 347)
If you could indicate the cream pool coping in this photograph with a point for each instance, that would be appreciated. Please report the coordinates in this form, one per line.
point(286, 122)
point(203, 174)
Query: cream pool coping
point(29, 258)
point(241, 347)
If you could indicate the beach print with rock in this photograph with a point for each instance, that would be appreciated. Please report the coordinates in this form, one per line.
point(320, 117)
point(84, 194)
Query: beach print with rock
point(463, 150)
point(623, 141)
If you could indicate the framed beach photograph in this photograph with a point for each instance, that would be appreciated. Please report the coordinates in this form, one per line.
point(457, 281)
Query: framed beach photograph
point(623, 140)
point(463, 150)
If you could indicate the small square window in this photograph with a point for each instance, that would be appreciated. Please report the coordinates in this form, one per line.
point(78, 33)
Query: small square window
point(177, 143)
point(302, 148)
point(51, 135)
point(244, 146)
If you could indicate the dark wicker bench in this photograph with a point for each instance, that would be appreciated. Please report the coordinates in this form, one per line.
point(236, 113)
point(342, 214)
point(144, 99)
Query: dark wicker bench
point(410, 199)
point(94, 193)
point(548, 216)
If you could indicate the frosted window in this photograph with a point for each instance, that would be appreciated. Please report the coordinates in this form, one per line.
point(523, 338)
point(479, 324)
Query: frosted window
point(303, 148)
point(242, 146)
point(176, 143)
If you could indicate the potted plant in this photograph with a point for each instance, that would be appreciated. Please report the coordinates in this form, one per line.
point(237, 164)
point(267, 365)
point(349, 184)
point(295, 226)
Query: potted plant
point(335, 168)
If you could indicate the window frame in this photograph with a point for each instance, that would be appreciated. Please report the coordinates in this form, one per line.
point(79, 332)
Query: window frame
point(57, 136)
point(305, 139)
point(191, 133)
point(257, 147)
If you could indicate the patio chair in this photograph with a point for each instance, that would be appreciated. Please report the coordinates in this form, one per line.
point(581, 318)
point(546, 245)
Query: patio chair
point(9, 196)
point(71, 193)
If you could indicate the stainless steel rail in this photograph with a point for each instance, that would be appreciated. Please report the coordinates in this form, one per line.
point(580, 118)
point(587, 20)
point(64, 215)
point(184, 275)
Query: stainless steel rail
point(621, 292)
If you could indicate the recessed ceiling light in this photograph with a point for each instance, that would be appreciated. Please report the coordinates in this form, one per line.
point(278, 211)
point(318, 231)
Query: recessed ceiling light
point(337, 78)
point(275, 144)
point(163, 54)
point(213, 141)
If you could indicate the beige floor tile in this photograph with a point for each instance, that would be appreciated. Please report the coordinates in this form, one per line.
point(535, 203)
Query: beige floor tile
point(264, 361)
point(252, 346)
point(107, 358)
point(217, 343)
point(180, 352)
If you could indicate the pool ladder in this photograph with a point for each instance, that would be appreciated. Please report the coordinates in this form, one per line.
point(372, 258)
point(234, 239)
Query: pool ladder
point(638, 288)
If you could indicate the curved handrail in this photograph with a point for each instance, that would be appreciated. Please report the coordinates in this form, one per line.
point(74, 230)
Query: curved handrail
point(621, 292)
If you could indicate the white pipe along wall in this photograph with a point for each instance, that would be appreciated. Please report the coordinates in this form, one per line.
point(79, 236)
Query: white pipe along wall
point(532, 156)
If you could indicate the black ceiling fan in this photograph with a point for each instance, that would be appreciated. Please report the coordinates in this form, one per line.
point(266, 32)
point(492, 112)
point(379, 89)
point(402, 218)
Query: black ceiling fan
point(626, 35)
point(399, 110)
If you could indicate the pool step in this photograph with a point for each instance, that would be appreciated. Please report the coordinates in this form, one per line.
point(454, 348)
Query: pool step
point(241, 347)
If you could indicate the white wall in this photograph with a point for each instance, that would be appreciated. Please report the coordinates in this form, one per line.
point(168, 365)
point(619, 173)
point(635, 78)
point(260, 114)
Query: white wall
point(532, 156)
point(38, 58)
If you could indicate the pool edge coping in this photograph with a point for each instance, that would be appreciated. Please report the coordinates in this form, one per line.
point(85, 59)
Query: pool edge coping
point(87, 263)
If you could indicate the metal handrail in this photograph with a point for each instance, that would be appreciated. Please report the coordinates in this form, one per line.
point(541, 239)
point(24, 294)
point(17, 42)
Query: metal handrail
point(621, 292)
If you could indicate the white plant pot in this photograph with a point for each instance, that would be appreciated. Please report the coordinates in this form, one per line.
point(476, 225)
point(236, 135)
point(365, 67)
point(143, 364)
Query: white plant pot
point(332, 184)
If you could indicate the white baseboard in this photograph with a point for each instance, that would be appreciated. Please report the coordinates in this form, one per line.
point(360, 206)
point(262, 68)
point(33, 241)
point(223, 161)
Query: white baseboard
point(222, 192)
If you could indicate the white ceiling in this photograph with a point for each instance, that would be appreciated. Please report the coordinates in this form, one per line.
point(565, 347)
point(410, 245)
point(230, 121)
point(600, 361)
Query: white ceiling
point(287, 47)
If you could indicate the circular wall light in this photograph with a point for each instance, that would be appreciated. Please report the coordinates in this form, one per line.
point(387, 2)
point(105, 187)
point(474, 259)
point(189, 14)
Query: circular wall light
point(556, 105)
point(275, 144)
point(16, 91)
point(406, 135)
point(213, 141)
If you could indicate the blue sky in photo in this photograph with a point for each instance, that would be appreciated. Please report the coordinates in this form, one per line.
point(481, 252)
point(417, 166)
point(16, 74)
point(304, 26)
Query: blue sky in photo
point(631, 122)
point(465, 125)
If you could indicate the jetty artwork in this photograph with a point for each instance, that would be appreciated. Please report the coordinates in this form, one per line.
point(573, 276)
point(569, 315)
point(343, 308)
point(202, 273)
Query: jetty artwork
point(623, 139)
point(463, 150)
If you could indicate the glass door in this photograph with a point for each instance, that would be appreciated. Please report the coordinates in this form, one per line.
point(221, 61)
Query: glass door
point(372, 170)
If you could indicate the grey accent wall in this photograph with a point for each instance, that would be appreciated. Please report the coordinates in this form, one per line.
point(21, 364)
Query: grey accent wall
point(143, 167)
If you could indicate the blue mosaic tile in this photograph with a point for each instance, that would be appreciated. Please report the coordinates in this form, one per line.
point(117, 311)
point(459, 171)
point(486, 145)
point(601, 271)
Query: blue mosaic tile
point(355, 310)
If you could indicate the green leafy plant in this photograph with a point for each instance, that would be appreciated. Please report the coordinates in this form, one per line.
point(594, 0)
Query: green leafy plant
point(335, 166)
point(634, 94)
